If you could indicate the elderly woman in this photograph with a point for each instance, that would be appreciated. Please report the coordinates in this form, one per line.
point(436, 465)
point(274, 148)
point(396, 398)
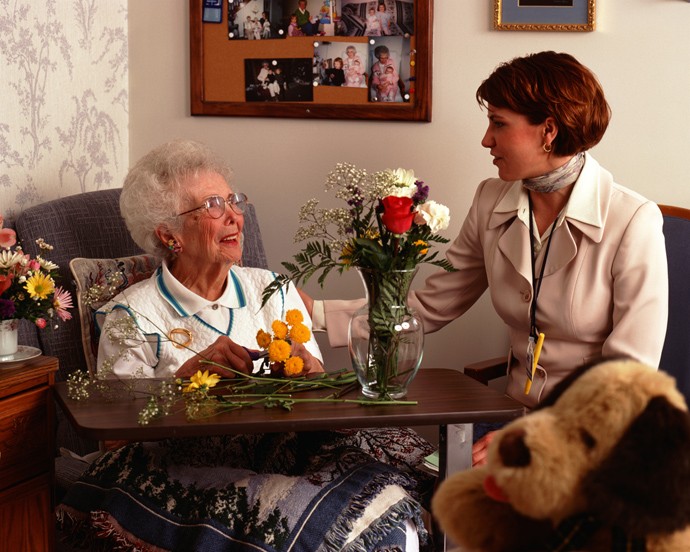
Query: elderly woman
point(201, 303)
point(244, 492)
point(574, 262)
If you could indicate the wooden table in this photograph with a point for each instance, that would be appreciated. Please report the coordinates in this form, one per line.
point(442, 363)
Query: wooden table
point(446, 398)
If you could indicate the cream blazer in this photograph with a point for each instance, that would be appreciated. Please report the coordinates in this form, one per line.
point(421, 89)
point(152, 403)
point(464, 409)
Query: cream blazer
point(605, 288)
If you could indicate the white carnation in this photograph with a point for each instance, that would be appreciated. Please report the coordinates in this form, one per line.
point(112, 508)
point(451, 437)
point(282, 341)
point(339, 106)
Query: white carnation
point(434, 214)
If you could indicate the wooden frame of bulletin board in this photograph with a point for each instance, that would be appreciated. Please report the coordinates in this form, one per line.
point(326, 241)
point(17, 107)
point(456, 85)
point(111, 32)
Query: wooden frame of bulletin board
point(225, 65)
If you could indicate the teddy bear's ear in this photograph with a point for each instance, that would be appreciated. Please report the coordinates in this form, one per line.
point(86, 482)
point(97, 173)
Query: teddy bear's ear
point(644, 484)
point(567, 381)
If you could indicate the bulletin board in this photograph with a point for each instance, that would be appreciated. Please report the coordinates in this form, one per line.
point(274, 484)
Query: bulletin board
point(247, 60)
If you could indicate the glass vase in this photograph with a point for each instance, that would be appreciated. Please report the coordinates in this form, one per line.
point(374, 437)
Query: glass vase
point(9, 330)
point(386, 338)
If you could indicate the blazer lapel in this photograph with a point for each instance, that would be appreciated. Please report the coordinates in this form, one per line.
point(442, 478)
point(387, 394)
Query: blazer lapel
point(514, 245)
point(562, 250)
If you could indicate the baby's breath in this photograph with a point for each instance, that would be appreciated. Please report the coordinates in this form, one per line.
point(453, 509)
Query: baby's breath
point(151, 411)
point(78, 385)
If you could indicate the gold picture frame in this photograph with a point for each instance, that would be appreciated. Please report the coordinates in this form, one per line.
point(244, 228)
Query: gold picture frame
point(544, 15)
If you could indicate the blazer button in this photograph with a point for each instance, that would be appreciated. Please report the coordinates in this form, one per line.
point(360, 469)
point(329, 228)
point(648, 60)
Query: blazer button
point(526, 296)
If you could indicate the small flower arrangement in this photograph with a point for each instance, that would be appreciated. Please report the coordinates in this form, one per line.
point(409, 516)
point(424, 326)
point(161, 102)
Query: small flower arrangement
point(27, 286)
point(389, 224)
point(278, 345)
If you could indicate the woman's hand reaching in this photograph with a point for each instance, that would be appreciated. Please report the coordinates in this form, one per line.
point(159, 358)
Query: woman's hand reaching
point(480, 450)
point(223, 351)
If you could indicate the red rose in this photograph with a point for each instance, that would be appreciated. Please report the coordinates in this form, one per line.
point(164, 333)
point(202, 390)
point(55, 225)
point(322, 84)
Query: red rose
point(397, 214)
point(41, 323)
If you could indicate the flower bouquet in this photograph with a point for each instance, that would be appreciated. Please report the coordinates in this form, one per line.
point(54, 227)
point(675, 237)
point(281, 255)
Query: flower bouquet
point(27, 286)
point(386, 230)
point(278, 346)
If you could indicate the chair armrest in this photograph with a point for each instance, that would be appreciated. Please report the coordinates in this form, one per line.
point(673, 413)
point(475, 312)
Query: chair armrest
point(487, 370)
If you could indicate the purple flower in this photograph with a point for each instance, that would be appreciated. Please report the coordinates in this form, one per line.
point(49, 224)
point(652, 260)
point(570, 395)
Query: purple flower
point(7, 309)
point(422, 193)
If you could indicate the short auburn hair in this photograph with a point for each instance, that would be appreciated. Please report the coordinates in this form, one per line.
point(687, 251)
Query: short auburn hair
point(550, 84)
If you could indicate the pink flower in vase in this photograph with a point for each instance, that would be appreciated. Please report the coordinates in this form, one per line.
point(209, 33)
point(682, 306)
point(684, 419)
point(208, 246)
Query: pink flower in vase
point(62, 300)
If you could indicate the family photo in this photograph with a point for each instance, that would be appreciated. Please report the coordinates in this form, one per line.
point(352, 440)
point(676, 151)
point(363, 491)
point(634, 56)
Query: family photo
point(374, 18)
point(389, 77)
point(341, 64)
point(382, 65)
point(271, 19)
point(278, 80)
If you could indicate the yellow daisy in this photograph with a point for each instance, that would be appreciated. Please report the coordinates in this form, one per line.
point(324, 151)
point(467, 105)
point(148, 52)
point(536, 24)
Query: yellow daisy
point(422, 244)
point(347, 253)
point(200, 380)
point(39, 286)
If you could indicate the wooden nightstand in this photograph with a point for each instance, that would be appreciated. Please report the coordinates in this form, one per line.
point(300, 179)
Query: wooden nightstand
point(27, 450)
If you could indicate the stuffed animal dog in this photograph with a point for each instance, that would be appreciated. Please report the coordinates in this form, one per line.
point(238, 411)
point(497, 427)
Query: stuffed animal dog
point(603, 464)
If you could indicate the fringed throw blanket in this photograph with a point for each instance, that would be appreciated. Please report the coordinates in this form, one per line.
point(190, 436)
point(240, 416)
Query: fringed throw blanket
point(306, 492)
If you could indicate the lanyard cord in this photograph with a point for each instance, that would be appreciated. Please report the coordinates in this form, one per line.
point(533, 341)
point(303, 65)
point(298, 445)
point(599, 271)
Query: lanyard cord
point(536, 284)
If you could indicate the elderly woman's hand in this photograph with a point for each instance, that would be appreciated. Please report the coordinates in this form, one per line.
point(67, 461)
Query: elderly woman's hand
point(312, 365)
point(223, 351)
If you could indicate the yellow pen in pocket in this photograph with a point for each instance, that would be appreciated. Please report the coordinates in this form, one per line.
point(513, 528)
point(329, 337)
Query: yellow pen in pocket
point(537, 352)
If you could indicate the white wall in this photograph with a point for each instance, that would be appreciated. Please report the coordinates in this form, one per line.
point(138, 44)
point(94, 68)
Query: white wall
point(640, 52)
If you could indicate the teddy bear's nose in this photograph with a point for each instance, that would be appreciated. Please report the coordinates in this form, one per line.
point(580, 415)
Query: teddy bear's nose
point(513, 450)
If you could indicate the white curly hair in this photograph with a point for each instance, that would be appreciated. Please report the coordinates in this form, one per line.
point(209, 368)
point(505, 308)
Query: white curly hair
point(154, 190)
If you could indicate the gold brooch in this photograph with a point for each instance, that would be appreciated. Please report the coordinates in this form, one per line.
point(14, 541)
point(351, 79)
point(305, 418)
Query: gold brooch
point(181, 338)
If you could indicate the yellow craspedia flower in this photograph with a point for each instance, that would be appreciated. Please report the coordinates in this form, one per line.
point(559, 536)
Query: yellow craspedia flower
point(199, 380)
point(424, 245)
point(293, 316)
point(39, 286)
point(299, 333)
point(263, 339)
point(279, 351)
point(280, 329)
point(293, 366)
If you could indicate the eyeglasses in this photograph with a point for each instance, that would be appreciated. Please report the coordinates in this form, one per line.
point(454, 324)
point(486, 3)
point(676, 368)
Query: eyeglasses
point(215, 205)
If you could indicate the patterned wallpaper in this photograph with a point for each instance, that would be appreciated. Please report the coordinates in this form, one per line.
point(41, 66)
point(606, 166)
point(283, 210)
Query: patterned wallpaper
point(63, 99)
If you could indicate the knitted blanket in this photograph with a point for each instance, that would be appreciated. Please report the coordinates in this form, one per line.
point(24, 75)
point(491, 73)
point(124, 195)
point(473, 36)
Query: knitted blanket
point(199, 494)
